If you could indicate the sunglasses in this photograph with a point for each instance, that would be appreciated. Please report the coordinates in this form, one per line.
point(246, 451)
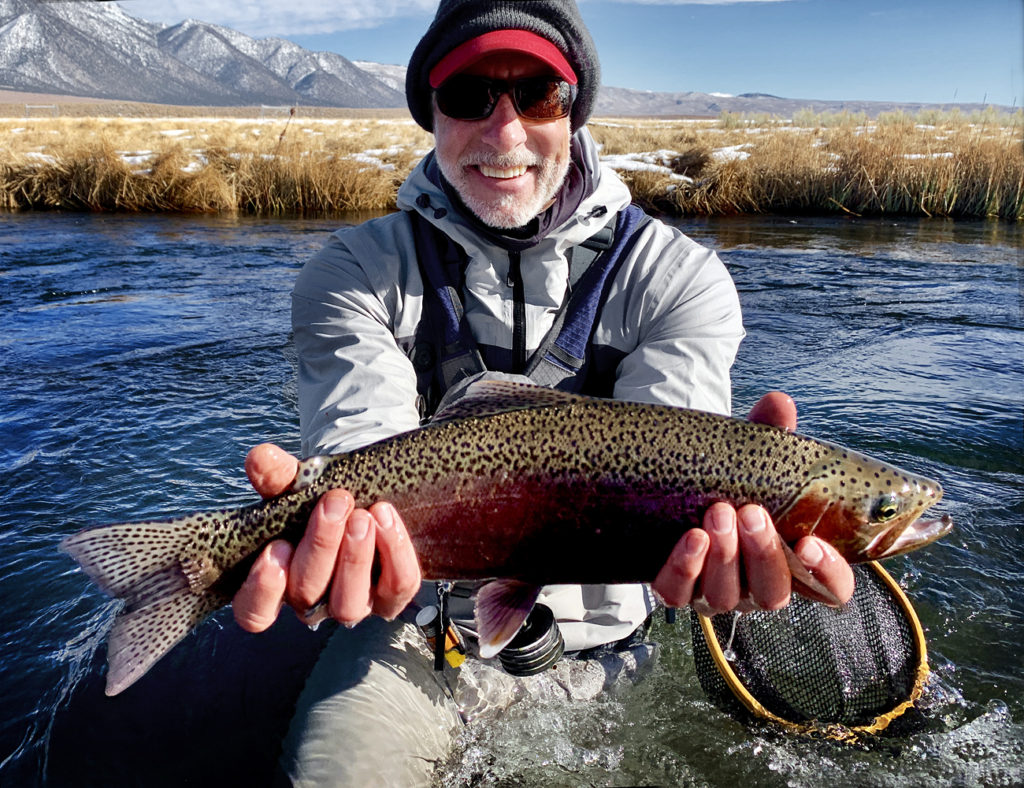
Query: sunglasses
point(471, 97)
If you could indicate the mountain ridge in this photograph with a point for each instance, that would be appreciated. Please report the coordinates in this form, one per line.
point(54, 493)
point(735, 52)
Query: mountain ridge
point(100, 51)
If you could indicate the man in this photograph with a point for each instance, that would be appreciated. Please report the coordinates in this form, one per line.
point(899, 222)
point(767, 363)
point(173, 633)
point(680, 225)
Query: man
point(516, 184)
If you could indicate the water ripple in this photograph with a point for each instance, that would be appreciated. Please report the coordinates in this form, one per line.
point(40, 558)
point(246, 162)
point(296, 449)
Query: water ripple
point(142, 356)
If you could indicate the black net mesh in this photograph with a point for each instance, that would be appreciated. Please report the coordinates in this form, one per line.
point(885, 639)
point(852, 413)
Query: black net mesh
point(809, 663)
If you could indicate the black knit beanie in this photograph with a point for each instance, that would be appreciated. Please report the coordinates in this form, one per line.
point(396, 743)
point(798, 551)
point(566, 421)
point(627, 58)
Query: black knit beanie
point(458, 21)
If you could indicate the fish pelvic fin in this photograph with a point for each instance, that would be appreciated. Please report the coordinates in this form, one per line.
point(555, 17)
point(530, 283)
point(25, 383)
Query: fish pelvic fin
point(140, 637)
point(806, 583)
point(165, 576)
point(502, 607)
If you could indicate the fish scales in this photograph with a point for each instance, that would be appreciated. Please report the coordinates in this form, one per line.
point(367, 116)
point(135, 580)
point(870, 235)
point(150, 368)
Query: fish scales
point(483, 471)
point(528, 485)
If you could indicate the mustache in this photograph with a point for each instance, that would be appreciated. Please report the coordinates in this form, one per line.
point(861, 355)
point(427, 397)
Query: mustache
point(501, 161)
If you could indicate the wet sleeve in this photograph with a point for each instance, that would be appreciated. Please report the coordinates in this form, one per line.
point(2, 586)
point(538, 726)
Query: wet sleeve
point(355, 385)
point(684, 315)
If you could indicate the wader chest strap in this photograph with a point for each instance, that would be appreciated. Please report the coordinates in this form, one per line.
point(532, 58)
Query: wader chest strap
point(456, 355)
point(560, 359)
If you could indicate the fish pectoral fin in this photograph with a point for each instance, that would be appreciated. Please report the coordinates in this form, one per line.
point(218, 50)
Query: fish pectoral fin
point(502, 607)
point(806, 583)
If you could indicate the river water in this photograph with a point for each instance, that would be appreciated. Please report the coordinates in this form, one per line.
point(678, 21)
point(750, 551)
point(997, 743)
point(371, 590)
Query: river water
point(141, 356)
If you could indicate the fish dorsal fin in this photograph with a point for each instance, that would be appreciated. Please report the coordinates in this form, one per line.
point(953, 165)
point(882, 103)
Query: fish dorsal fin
point(490, 397)
point(502, 607)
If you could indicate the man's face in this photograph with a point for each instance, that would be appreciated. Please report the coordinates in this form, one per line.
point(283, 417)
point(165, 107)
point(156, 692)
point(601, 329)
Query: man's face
point(507, 169)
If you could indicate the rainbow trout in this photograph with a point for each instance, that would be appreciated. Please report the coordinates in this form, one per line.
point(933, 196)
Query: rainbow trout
point(526, 486)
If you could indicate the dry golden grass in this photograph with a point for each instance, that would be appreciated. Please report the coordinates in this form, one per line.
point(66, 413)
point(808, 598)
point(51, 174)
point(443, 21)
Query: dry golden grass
point(891, 167)
point(283, 165)
point(952, 166)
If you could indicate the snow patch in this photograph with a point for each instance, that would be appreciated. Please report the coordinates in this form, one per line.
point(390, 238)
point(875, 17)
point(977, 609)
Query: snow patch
point(732, 153)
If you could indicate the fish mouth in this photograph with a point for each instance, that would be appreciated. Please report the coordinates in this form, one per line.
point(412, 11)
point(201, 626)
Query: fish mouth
point(918, 534)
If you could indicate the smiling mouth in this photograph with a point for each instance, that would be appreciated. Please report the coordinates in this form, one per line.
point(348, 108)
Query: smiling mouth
point(503, 174)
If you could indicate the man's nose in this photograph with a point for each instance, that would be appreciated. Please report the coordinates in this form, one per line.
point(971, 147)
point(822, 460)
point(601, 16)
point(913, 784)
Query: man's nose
point(504, 130)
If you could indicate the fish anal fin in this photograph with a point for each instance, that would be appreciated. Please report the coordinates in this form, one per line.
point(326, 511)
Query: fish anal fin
point(501, 609)
point(806, 583)
point(142, 636)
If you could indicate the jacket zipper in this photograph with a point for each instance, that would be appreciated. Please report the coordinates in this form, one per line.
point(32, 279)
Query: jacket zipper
point(515, 281)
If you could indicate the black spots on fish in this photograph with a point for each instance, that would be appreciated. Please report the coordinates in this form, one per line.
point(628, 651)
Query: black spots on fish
point(142, 636)
point(134, 561)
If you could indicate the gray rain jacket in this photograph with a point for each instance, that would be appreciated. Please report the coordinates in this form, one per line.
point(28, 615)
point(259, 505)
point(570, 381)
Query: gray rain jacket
point(672, 315)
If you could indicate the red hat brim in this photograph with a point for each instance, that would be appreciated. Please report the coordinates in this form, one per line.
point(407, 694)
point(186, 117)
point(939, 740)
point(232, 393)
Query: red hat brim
point(474, 50)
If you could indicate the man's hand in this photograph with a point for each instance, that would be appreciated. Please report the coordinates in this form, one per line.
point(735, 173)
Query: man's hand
point(334, 560)
point(704, 567)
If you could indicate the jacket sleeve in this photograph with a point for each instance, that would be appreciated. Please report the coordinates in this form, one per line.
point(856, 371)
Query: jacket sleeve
point(355, 385)
point(682, 317)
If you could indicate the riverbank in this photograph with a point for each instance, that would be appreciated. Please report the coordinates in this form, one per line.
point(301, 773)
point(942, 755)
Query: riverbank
point(280, 163)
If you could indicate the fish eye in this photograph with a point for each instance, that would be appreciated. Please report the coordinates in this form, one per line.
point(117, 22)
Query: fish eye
point(885, 508)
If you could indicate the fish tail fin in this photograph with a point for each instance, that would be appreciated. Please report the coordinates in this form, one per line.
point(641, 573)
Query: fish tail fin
point(164, 576)
point(141, 637)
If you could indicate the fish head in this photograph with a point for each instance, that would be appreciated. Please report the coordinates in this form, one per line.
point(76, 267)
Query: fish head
point(866, 509)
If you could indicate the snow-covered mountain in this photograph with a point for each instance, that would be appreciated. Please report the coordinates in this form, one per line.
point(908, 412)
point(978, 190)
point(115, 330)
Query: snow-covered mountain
point(96, 49)
point(390, 75)
point(624, 102)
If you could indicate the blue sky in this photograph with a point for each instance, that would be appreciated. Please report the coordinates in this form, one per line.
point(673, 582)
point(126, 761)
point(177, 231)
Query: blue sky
point(901, 50)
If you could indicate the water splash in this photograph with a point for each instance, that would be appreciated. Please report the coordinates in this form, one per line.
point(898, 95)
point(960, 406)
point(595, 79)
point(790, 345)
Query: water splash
point(73, 660)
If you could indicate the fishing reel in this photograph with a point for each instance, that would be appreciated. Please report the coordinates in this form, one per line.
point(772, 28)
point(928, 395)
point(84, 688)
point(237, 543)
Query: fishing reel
point(536, 647)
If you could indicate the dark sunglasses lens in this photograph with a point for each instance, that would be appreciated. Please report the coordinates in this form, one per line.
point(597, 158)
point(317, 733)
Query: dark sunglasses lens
point(466, 97)
point(543, 98)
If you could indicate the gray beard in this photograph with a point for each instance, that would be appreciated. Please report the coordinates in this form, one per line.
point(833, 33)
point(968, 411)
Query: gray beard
point(508, 212)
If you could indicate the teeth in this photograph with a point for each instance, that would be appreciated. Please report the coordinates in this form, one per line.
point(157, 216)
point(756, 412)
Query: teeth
point(494, 172)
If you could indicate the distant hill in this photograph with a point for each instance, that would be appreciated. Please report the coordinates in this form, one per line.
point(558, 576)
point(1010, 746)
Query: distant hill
point(625, 102)
point(97, 50)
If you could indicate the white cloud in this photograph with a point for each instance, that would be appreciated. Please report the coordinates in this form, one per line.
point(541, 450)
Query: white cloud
point(304, 17)
point(696, 2)
point(294, 17)
point(279, 17)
